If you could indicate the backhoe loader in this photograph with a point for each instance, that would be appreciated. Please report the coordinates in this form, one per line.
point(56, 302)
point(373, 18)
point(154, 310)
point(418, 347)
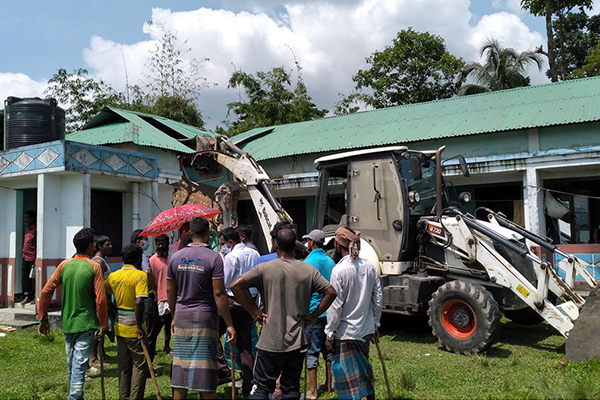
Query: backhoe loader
point(462, 271)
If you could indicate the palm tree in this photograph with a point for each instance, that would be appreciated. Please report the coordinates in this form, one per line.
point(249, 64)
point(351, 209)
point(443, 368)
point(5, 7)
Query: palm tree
point(504, 68)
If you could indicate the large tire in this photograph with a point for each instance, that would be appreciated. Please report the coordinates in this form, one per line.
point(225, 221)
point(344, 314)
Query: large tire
point(524, 316)
point(464, 317)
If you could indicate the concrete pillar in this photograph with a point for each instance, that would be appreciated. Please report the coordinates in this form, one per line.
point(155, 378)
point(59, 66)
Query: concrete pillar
point(155, 206)
point(135, 205)
point(147, 209)
point(533, 196)
point(50, 233)
point(87, 200)
point(63, 209)
point(8, 251)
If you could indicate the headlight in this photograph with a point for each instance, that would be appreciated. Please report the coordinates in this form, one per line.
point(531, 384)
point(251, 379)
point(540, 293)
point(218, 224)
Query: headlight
point(464, 197)
point(414, 197)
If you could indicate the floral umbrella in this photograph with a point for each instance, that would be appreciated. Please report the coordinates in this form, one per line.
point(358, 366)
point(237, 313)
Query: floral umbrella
point(173, 218)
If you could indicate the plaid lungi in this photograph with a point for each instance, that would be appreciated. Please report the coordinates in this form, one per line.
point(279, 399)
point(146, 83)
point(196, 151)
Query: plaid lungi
point(351, 370)
point(195, 350)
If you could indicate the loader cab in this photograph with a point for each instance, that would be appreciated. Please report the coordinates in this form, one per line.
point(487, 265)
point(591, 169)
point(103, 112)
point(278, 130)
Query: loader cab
point(380, 192)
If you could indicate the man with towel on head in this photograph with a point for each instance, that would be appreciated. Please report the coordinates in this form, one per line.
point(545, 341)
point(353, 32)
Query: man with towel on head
point(353, 318)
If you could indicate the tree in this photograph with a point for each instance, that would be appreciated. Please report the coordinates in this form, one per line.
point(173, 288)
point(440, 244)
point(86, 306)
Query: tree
point(172, 88)
point(415, 68)
point(581, 34)
point(178, 109)
point(270, 100)
point(347, 104)
point(504, 68)
point(559, 8)
point(83, 96)
point(169, 73)
point(592, 67)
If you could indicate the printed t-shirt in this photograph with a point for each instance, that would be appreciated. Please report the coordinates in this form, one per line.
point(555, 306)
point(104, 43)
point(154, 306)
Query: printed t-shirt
point(286, 287)
point(29, 244)
point(324, 264)
point(159, 267)
point(193, 268)
point(127, 284)
point(82, 283)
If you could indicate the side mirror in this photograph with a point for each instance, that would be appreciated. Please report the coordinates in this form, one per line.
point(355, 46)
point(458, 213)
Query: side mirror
point(415, 166)
point(464, 167)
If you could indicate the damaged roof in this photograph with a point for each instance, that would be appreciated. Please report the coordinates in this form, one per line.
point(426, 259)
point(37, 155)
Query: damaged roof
point(567, 102)
point(112, 126)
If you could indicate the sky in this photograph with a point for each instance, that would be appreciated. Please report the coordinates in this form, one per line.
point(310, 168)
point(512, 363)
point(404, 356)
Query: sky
point(329, 38)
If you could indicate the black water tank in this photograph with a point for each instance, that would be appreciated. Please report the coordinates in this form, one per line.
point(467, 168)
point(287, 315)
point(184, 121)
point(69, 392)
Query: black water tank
point(1, 130)
point(32, 121)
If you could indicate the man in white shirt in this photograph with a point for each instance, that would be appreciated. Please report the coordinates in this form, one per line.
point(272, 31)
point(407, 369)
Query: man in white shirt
point(238, 260)
point(353, 318)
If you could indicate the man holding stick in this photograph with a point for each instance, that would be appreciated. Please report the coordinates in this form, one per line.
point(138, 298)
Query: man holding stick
point(285, 285)
point(353, 318)
point(83, 296)
point(130, 287)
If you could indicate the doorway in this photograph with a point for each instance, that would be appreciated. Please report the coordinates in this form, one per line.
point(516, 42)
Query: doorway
point(26, 200)
point(107, 217)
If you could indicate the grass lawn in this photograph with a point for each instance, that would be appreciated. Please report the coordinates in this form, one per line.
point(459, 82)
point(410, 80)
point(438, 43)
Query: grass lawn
point(524, 364)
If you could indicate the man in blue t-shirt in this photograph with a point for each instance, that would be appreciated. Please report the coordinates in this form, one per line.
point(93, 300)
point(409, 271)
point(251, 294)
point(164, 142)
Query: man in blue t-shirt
point(316, 332)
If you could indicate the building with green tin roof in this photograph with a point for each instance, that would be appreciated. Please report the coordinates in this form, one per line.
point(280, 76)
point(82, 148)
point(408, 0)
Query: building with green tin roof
point(525, 147)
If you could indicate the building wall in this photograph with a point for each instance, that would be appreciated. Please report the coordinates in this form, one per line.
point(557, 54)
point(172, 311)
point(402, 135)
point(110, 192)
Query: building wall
point(569, 136)
point(8, 198)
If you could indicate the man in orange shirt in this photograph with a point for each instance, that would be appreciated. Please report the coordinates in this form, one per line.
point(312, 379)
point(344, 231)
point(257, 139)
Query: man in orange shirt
point(83, 296)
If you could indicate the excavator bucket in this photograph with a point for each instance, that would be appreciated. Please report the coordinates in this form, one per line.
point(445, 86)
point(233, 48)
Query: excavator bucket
point(583, 341)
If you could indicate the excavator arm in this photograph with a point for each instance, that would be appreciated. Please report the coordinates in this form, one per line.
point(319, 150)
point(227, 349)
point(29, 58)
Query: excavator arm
point(249, 175)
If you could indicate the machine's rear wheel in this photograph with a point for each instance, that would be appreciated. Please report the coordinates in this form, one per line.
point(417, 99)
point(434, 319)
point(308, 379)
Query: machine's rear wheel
point(464, 317)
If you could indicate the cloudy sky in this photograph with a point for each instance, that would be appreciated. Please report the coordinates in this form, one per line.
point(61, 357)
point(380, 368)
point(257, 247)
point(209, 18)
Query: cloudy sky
point(330, 38)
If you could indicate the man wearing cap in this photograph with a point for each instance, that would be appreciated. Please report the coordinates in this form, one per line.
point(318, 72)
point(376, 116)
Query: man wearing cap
point(353, 318)
point(316, 332)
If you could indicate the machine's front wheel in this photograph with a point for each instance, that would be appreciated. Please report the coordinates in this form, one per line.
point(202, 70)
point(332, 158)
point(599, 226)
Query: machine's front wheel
point(464, 317)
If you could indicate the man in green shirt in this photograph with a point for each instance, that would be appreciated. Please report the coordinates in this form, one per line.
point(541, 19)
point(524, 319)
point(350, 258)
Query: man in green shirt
point(83, 296)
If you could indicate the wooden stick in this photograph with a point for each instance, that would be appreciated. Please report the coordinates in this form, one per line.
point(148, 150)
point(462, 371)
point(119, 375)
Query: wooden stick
point(232, 355)
point(101, 358)
point(306, 372)
point(149, 361)
point(385, 375)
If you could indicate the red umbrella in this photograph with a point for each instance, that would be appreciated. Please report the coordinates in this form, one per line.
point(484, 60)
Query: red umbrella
point(173, 218)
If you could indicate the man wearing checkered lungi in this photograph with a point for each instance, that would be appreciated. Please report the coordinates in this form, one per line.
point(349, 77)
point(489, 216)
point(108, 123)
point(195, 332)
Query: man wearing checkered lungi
point(353, 318)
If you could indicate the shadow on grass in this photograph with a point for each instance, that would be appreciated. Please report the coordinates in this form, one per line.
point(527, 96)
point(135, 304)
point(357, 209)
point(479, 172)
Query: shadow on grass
point(535, 336)
point(403, 328)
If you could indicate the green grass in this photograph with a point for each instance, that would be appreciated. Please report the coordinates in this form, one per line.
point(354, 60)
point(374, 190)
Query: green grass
point(526, 363)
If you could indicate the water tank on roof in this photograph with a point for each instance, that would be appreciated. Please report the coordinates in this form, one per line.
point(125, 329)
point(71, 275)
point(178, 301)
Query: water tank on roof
point(32, 121)
point(1, 130)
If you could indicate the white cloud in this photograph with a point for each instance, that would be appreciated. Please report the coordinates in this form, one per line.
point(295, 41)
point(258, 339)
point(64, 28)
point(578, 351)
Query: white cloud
point(20, 85)
point(330, 39)
point(510, 5)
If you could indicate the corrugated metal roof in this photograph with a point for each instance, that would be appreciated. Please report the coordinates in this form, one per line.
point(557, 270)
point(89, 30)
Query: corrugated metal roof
point(124, 132)
point(113, 126)
point(185, 129)
point(568, 102)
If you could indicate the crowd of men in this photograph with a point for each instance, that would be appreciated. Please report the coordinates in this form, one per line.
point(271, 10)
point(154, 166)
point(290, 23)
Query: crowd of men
point(305, 303)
